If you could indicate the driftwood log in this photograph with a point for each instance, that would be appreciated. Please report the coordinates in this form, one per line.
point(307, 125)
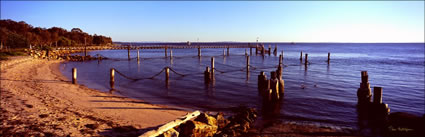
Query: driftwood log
point(170, 125)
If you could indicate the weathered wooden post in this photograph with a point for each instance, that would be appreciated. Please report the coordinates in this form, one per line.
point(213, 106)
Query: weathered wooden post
point(247, 63)
point(282, 53)
point(138, 55)
point(274, 86)
point(301, 56)
point(212, 66)
point(112, 78)
point(167, 74)
point(250, 50)
point(228, 52)
point(270, 49)
point(165, 50)
point(128, 49)
point(262, 81)
point(280, 60)
point(256, 49)
point(263, 50)
point(329, 57)
point(364, 92)
point(306, 59)
point(199, 51)
point(207, 75)
point(224, 53)
point(74, 75)
point(85, 50)
point(246, 53)
point(377, 95)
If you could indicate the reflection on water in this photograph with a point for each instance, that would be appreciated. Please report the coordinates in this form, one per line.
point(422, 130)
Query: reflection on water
point(318, 92)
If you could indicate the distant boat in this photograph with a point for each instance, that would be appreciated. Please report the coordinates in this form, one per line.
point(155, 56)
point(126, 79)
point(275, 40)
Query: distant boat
point(292, 43)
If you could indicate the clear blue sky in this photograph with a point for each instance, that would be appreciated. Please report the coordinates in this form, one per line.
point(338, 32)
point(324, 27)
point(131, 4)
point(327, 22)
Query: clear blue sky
point(277, 21)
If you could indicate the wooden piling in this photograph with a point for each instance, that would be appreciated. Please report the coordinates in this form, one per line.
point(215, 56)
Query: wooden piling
point(250, 50)
point(171, 54)
point(377, 95)
point(85, 50)
point(207, 75)
point(262, 82)
point(228, 52)
point(199, 51)
point(224, 53)
point(270, 48)
point(128, 51)
point(329, 57)
point(165, 50)
point(167, 74)
point(74, 75)
point(138, 56)
point(112, 78)
point(247, 63)
point(280, 60)
point(301, 56)
point(364, 92)
point(212, 65)
point(306, 59)
point(246, 53)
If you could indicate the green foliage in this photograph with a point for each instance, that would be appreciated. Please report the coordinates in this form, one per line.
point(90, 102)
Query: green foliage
point(20, 35)
point(63, 41)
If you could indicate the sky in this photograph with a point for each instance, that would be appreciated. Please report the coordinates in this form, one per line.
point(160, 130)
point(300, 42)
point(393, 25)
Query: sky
point(242, 21)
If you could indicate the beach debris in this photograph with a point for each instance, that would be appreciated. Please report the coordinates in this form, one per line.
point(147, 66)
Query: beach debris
point(203, 125)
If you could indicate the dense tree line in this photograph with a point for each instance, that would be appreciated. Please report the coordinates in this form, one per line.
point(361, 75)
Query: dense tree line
point(21, 35)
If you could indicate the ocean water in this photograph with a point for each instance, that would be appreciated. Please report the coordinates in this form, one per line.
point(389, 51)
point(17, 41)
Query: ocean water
point(329, 95)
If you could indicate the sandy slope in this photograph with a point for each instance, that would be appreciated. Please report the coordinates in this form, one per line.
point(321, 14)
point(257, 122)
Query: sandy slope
point(37, 100)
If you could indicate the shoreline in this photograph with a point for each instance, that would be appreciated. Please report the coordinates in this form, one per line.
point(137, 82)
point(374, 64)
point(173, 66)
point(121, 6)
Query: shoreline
point(36, 99)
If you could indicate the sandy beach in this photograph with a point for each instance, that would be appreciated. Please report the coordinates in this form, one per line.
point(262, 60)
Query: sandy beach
point(37, 100)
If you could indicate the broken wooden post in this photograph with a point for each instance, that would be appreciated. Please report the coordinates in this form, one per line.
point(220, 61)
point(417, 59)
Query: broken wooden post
point(364, 92)
point(274, 86)
point(246, 53)
point(167, 74)
point(262, 81)
point(207, 75)
point(199, 51)
point(247, 63)
point(329, 57)
point(128, 49)
point(301, 56)
point(306, 59)
point(74, 75)
point(377, 95)
point(112, 78)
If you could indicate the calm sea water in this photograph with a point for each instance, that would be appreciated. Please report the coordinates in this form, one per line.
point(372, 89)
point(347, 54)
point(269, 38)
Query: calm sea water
point(329, 96)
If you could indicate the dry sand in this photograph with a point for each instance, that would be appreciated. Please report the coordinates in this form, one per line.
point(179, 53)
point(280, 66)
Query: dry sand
point(37, 100)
